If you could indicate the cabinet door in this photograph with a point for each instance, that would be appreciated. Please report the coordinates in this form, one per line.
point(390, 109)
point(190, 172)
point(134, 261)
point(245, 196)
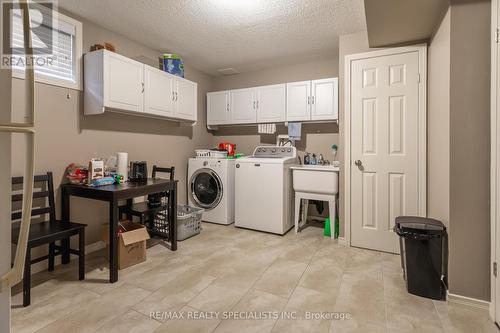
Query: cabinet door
point(271, 103)
point(218, 108)
point(297, 101)
point(124, 85)
point(325, 102)
point(243, 106)
point(158, 92)
point(186, 99)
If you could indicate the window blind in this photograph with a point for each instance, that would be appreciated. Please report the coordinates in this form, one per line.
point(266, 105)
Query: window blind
point(62, 65)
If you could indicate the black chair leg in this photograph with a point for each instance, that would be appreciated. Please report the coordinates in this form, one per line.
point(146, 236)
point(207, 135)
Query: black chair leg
point(81, 255)
point(27, 279)
point(52, 255)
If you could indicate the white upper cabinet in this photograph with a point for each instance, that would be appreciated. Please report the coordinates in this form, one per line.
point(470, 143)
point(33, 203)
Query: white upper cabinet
point(298, 107)
point(271, 103)
point(124, 83)
point(243, 106)
point(116, 83)
point(302, 101)
point(159, 95)
point(218, 108)
point(186, 99)
point(324, 103)
point(312, 100)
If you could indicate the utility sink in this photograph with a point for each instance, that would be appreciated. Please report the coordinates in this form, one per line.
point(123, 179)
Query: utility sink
point(319, 179)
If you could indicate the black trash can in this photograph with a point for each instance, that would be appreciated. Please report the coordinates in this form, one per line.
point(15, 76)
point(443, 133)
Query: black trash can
point(424, 255)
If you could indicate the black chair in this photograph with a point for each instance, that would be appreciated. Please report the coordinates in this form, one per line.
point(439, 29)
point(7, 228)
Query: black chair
point(141, 209)
point(45, 232)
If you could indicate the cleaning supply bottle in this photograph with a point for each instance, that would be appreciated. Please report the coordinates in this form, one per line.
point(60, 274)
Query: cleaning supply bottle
point(313, 160)
point(307, 158)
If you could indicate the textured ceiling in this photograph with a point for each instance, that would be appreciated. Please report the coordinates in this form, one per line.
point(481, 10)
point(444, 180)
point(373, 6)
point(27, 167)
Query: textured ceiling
point(244, 34)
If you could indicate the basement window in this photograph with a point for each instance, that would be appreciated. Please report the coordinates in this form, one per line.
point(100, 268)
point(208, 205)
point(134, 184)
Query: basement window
point(63, 67)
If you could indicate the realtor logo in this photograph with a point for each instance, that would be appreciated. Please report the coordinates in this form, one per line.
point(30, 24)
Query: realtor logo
point(43, 22)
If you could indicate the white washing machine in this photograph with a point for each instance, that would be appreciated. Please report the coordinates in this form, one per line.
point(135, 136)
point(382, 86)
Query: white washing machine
point(211, 187)
point(263, 189)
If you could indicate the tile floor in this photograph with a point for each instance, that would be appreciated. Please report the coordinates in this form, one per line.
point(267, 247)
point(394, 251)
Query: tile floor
point(227, 271)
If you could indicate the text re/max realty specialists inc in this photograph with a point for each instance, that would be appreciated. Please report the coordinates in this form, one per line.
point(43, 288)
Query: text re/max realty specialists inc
point(247, 315)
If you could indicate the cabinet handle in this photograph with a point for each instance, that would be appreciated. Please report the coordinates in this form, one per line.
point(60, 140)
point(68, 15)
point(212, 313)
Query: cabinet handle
point(176, 96)
point(227, 107)
point(257, 104)
point(254, 105)
point(308, 100)
point(312, 102)
point(142, 87)
point(173, 95)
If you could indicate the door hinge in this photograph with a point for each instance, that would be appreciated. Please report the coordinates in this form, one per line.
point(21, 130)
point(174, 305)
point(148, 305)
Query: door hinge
point(495, 269)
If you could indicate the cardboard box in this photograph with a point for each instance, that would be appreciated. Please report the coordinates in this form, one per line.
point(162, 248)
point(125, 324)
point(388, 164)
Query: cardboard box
point(131, 244)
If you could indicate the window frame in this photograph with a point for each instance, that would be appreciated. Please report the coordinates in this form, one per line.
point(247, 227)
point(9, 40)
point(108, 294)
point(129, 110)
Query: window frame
point(77, 62)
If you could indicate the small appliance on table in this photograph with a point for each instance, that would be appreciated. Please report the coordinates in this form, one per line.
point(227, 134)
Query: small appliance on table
point(263, 189)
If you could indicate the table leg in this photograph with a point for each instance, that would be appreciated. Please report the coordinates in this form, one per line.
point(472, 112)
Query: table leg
point(65, 217)
point(113, 241)
point(173, 218)
point(130, 202)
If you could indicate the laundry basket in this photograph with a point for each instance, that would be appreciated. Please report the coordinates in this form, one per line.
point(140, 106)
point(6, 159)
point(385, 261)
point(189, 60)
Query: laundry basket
point(188, 221)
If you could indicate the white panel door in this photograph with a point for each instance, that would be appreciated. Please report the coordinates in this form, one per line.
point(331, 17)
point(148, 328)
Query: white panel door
point(186, 99)
point(159, 93)
point(124, 86)
point(271, 103)
point(218, 112)
point(243, 106)
point(325, 102)
point(298, 96)
point(384, 147)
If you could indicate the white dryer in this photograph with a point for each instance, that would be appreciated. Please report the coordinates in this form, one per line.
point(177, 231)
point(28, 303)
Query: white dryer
point(211, 187)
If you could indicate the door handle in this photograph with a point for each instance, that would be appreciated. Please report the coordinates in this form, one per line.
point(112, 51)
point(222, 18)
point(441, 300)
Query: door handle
point(358, 163)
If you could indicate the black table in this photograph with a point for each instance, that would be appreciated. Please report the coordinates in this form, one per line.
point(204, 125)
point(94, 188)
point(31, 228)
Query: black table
point(112, 194)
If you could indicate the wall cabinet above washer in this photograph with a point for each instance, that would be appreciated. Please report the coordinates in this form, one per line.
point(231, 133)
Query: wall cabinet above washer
point(315, 100)
point(116, 83)
point(264, 104)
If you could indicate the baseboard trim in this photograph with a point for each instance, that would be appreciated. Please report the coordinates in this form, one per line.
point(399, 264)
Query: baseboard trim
point(468, 301)
point(342, 241)
point(42, 265)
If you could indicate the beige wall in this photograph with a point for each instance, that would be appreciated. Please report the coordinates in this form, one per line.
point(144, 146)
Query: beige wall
point(316, 138)
point(470, 149)
point(438, 124)
point(64, 135)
